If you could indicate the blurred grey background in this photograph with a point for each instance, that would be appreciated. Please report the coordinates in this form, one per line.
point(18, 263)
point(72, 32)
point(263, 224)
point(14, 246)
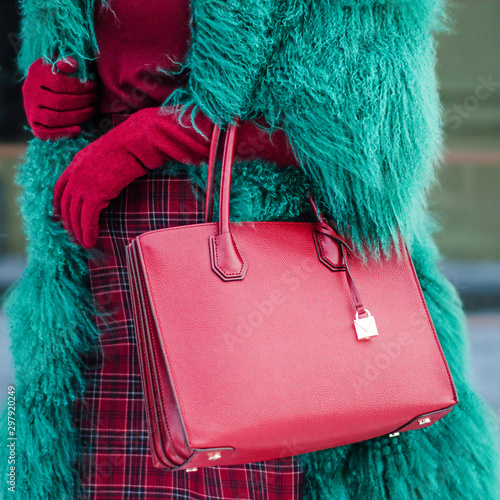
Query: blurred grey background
point(467, 202)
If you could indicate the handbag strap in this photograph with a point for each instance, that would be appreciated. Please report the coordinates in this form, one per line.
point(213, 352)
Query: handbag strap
point(227, 260)
point(209, 198)
point(225, 181)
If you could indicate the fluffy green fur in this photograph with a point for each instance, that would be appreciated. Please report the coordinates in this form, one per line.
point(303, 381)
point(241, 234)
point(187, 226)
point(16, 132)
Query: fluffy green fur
point(55, 29)
point(51, 324)
point(352, 83)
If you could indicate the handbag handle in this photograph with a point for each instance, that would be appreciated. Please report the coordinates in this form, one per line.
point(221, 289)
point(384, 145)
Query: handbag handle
point(226, 258)
point(209, 198)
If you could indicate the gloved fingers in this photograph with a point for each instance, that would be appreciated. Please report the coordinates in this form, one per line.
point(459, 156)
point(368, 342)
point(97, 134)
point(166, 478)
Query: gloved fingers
point(39, 70)
point(61, 83)
point(67, 66)
point(65, 207)
point(75, 213)
point(55, 133)
point(65, 102)
point(58, 193)
point(90, 223)
point(50, 118)
point(42, 75)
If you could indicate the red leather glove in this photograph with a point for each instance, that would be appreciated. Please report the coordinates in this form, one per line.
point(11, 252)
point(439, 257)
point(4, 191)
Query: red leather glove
point(56, 103)
point(146, 140)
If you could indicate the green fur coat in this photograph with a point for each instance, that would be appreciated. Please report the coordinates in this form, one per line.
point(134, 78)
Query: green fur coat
point(352, 82)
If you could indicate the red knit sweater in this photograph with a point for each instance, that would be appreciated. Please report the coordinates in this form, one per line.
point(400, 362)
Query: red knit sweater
point(135, 39)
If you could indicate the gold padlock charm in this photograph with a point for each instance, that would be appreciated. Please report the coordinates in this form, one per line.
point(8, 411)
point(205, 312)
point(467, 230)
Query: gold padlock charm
point(366, 328)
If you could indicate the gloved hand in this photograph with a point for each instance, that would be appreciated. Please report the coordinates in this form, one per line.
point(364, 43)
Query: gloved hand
point(56, 103)
point(146, 140)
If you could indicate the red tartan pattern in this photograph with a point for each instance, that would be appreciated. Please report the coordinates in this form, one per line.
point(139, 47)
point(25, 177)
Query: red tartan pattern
point(111, 416)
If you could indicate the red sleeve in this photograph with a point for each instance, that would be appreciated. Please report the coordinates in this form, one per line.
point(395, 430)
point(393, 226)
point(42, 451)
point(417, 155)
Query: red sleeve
point(167, 139)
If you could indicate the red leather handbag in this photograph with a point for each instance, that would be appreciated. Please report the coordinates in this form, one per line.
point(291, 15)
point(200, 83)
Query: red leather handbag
point(258, 340)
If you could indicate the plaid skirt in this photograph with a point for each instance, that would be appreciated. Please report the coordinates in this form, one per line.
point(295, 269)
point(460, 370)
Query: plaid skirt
point(111, 416)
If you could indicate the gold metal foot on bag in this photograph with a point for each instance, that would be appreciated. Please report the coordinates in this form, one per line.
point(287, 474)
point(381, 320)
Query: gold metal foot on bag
point(424, 421)
point(192, 470)
point(394, 434)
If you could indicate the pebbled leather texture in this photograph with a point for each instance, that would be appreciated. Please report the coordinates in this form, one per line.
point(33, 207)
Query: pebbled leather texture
point(270, 366)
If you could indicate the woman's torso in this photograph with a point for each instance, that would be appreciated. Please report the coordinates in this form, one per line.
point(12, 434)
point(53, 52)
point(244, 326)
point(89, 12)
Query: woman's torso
point(135, 38)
